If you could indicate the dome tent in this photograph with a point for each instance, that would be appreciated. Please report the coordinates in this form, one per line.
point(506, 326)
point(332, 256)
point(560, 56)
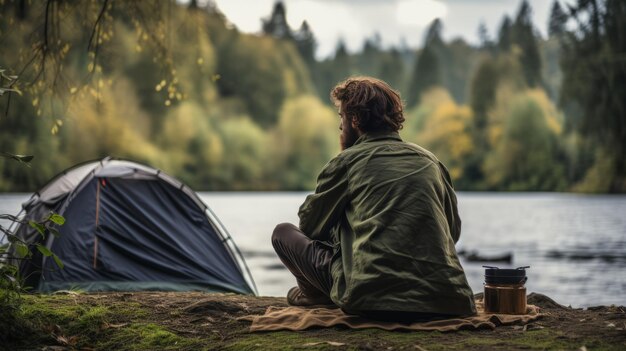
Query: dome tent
point(130, 227)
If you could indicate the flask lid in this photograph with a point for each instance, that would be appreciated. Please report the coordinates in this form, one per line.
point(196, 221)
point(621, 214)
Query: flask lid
point(496, 275)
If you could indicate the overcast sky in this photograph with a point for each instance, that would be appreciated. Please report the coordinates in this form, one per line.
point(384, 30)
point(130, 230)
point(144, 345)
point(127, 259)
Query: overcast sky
point(395, 20)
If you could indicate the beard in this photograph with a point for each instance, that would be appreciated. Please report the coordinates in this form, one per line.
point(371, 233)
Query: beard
point(348, 136)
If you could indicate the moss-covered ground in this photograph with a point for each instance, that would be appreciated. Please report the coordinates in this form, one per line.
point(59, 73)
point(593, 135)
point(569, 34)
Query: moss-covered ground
point(197, 321)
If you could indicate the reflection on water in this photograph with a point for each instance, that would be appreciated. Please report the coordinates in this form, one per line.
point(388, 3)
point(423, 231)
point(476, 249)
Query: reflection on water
point(575, 244)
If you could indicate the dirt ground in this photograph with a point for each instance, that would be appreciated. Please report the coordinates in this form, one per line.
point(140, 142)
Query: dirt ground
point(209, 321)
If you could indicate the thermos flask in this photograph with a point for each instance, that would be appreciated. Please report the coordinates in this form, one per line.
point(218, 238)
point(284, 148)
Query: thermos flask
point(504, 290)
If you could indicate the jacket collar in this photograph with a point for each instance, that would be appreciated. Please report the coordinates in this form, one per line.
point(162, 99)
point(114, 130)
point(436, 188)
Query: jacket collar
point(375, 136)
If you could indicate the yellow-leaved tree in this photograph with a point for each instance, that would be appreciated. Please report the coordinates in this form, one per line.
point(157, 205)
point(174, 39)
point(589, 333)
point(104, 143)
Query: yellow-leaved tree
point(523, 133)
point(193, 148)
point(443, 127)
point(305, 139)
point(107, 120)
point(246, 155)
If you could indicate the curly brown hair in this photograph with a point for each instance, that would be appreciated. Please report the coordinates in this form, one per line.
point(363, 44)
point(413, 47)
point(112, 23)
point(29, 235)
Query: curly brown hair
point(372, 102)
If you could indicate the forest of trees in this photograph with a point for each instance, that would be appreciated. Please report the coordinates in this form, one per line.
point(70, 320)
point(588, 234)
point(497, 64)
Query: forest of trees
point(180, 88)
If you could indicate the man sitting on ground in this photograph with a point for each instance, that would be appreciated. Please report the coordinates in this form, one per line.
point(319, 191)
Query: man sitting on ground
point(377, 236)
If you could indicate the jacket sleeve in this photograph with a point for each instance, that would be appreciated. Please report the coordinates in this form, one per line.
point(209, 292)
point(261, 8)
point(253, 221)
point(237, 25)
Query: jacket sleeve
point(451, 208)
point(322, 210)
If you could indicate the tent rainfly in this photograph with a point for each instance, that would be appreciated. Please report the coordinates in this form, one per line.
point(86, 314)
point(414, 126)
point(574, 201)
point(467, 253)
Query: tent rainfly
point(130, 227)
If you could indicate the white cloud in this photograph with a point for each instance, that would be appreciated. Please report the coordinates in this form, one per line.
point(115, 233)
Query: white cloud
point(419, 12)
point(246, 15)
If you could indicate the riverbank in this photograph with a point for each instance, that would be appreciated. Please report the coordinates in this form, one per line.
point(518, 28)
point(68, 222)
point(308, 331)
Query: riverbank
point(196, 321)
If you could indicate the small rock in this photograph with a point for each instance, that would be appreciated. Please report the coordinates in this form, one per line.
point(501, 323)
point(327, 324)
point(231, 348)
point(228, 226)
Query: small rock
point(114, 326)
point(126, 296)
point(610, 325)
point(543, 301)
point(596, 308)
point(529, 327)
point(331, 343)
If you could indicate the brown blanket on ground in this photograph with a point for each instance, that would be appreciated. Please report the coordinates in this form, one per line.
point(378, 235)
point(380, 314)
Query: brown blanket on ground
point(299, 318)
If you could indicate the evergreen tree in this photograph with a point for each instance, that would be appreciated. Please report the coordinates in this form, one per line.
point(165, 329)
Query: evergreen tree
point(504, 35)
point(482, 98)
point(392, 69)
point(342, 62)
point(551, 51)
point(524, 37)
point(433, 36)
point(483, 91)
point(483, 36)
point(558, 18)
point(427, 72)
point(277, 25)
point(594, 79)
point(305, 42)
point(370, 57)
point(458, 61)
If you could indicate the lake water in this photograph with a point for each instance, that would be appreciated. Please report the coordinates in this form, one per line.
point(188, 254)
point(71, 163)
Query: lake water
point(575, 244)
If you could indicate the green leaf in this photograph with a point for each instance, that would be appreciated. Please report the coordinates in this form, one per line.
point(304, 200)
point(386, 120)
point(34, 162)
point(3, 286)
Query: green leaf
point(44, 250)
point(11, 269)
point(20, 158)
point(39, 227)
point(21, 249)
point(58, 261)
point(57, 218)
point(24, 158)
point(10, 278)
point(4, 90)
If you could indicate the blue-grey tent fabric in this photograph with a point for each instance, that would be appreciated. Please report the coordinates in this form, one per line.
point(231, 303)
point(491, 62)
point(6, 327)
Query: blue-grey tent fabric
point(137, 234)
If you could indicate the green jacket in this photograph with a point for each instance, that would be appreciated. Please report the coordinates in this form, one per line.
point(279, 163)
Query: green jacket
point(389, 209)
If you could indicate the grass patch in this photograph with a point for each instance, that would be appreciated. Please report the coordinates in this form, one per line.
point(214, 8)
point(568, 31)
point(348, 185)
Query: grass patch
point(62, 320)
point(317, 339)
point(162, 322)
point(58, 320)
point(377, 338)
point(147, 337)
point(543, 339)
point(281, 340)
point(374, 339)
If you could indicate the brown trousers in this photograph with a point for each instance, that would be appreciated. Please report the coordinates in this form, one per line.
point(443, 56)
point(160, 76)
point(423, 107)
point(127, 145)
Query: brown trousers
point(308, 260)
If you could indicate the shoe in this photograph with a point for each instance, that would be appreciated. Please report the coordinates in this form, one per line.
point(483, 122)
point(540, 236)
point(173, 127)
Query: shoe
point(295, 297)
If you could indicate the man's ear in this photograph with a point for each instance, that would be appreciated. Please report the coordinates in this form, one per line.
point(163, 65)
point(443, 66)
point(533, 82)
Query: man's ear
point(355, 123)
